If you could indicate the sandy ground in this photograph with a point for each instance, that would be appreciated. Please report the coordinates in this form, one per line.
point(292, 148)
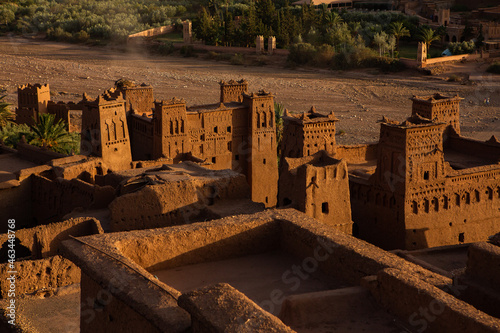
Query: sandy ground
point(359, 98)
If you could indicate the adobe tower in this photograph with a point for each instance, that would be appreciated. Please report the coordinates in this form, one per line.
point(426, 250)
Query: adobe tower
point(105, 131)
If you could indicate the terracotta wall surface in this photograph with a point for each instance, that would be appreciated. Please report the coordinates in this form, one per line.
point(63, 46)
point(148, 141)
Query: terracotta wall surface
point(42, 275)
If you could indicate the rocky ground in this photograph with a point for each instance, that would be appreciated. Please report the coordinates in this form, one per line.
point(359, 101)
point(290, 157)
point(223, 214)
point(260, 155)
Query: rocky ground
point(358, 98)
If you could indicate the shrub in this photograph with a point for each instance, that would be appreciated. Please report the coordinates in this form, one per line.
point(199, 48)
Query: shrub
point(260, 61)
point(237, 59)
point(188, 51)
point(494, 68)
point(301, 53)
point(461, 47)
point(166, 48)
point(212, 55)
point(454, 78)
point(390, 65)
point(356, 57)
point(324, 55)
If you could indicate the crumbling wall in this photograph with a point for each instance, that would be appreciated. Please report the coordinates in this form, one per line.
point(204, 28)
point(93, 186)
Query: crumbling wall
point(44, 241)
point(16, 203)
point(36, 154)
point(42, 275)
point(214, 308)
point(174, 202)
point(52, 199)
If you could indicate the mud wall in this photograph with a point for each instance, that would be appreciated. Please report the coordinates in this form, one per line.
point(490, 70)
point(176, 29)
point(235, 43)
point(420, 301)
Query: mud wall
point(487, 150)
point(109, 314)
point(357, 154)
point(214, 308)
point(15, 203)
point(174, 202)
point(36, 154)
point(52, 199)
point(44, 241)
point(43, 275)
point(195, 243)
point(341, 255)
point(483, 264)
point(426, 307)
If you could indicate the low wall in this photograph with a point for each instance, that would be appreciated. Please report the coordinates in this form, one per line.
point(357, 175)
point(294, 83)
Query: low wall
point(39, 275)
point(357, 154)
point(44, 241)
point(428, 308)
point(150, 33)
point(214, 308)
point(36, 154)
point(468, 146)
point(230, 49)
point(483, 264)
point(453, 58)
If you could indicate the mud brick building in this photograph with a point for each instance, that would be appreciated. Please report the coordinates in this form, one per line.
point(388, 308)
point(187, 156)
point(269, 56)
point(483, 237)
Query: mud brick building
point(430, 186)
point(238, 133)
point(423, 185)
point(317, 185)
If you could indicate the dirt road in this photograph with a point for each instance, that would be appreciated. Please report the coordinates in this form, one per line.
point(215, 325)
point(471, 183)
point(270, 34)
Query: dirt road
point(358, 98)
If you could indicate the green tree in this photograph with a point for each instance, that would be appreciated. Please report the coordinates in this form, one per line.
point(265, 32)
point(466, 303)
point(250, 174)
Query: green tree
point(427, 35)
point(6, 115)
point(398, 30)
point(53, 135)
point(7, 15)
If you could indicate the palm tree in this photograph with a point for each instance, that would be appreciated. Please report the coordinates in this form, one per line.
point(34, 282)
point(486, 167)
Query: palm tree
point(333, 19)
point(427, 35)
point(398, 30)
point(5, 115)
point(54, 136)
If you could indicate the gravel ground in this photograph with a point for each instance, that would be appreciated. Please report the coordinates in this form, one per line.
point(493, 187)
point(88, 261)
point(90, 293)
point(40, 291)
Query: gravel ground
point(358, 98)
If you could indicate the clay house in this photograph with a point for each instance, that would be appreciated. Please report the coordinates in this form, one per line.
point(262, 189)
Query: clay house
point(423, 185)
point(125, 124)
point(430, 186)
point(238, 133)
point(317, 185)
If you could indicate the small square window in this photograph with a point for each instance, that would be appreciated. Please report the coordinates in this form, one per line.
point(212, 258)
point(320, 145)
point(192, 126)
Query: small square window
point(216, 130)
point(426, 175)
point(213, 160)
point(324, 207)
point(237, 157)
point(229, 129)
point(264, 161)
